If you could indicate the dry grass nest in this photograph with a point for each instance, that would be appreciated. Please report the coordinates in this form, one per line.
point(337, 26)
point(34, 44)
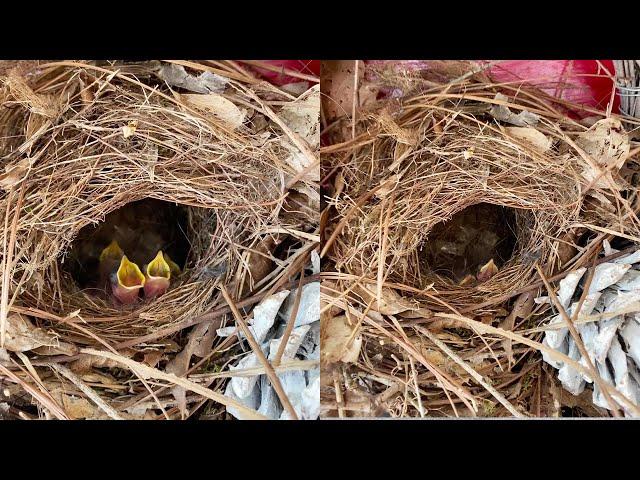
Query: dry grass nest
point(561, 177)
point(79, 141)
point(417, 162)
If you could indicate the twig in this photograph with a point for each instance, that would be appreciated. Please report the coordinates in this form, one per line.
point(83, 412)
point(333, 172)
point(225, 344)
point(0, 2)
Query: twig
point(290, 324)
point(149, 372)
point(497, 395)
point(7, 264)
point(87, 390)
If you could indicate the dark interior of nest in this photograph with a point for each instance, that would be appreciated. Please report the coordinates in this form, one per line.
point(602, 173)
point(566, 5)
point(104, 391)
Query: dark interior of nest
point(461, 246)
point(141, 229)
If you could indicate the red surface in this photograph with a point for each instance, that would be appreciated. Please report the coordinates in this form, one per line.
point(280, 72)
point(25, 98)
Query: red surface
point(586, 81)
point(308, 67)
point(589, 83)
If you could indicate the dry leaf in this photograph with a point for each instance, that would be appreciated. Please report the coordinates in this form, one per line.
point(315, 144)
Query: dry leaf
point(85, 362)
point(521, 119)
point(152, 358)
point(303, 116)
point(14, 174)
point(259, 261)
point(206, 82)
point(607, 143)
point(566, 248)
point(391, 302)
point(532, 136)
point(130, 129)
point(334, 337)
point(62, 348)
point(388, 185)
point(22, 336)
point(218, 106)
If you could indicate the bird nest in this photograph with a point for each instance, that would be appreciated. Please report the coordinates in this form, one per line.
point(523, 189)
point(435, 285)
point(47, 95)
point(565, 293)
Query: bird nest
point(84, 143)
point(447, 199)
point(436, 185)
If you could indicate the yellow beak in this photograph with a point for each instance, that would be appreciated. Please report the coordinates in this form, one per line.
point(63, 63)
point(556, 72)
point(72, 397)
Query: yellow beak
point(487, 271)
point(112, 251)
point(158, 275)
point(129, 280)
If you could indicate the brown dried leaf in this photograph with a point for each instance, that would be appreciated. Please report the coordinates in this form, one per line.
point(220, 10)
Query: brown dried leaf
point(566, 248)
point(303, 116)
point(532, 136)
point(335, 334)
point(62, 348)
point(260, 262)
point(14, 174)
point(22, 336)
point(152, 358)
point(85, 362)
point(607, 143)
point(391, 302)
point(218, 106)
point(487, 271)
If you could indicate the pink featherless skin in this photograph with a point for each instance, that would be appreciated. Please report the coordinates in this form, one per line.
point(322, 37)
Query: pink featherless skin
point(155, 286)
point(124, 295)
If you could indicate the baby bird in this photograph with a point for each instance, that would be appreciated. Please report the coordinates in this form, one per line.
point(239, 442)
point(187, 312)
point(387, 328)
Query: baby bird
point(487, 271)
point(173, 266)
point(109, 261)
point(127, 282)
point(158, 274)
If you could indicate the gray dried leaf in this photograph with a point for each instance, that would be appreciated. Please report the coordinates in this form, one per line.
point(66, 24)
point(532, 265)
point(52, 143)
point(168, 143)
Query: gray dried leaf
point(293, 384)
point(269, 402)
point(625, 384)
point(296, 338)
point(570, 377)
point(309, 308)
point(303, 116)
point(310, 400)
point(252, 400)
point(607, 274)
point(502, 113)
point(206, 82)
point(242, 387)
point(606, 331)
point(630, 332)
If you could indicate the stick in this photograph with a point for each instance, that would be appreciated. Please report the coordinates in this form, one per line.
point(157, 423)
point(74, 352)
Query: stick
point(149, 372)
point(290, 323)
point(87, 390)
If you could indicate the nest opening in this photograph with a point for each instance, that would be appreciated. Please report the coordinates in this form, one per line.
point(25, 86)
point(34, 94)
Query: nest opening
point(472, 237)
point(141, 228)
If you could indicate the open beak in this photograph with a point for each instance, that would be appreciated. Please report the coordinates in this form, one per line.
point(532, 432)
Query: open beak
point(158, 274)
point(487, 271)
point(128, 282)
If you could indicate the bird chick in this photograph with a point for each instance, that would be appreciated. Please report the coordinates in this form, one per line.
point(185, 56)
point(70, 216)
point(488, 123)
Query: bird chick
point(173, 266)
point(109, 261)
point(127, 282)
point(487, 271)
point(158, 274)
